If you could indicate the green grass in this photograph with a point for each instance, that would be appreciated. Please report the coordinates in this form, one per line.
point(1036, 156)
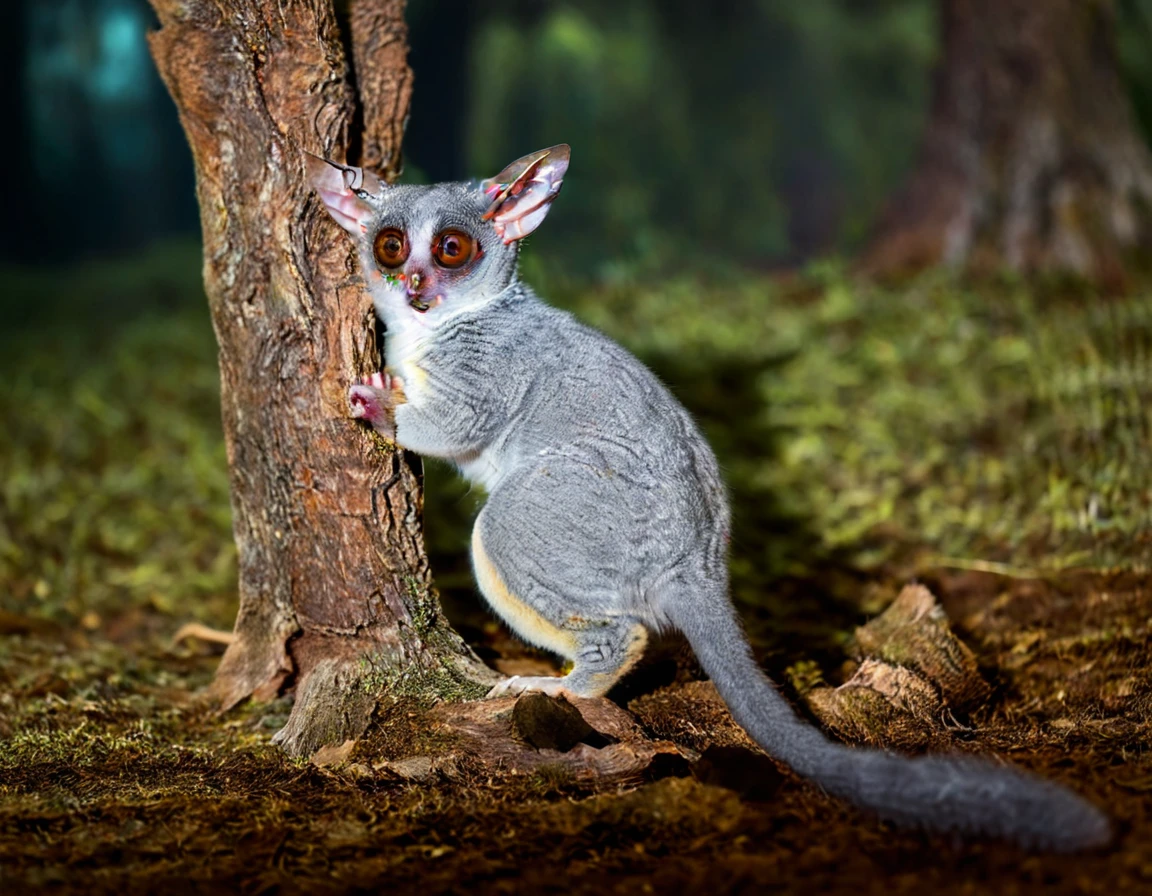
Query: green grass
point(857, 425)
point(114, 493)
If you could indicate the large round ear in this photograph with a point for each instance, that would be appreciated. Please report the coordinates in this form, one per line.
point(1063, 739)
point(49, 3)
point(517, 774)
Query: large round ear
point(522, 193)
point(343, 190)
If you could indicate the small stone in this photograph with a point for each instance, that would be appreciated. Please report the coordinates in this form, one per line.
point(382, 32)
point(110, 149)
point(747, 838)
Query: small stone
point(552, 723)
point(414, 768)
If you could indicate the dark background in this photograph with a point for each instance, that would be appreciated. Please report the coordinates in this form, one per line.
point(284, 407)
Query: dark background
point(757, 133)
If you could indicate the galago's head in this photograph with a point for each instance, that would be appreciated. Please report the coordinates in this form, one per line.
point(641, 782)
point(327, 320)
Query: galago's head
point(439, 249)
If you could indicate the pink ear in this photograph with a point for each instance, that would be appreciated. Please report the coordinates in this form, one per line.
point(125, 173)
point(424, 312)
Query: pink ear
point(339, 187)
point(523, 192)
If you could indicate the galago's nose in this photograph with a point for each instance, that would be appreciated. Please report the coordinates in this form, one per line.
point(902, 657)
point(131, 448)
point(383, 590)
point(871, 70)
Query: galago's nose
point(415, 282)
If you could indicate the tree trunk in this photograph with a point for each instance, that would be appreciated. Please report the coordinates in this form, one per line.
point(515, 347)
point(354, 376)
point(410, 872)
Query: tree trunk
point(1031, 160)
point(335, 593)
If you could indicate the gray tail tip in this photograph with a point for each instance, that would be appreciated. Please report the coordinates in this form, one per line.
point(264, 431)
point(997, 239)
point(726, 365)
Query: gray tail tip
point(1071, 825)
point(1002, 803)
point(1077, 824)
point(1092, 829)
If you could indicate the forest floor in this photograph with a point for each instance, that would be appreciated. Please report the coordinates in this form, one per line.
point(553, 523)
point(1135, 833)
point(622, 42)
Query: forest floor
point(990, 442)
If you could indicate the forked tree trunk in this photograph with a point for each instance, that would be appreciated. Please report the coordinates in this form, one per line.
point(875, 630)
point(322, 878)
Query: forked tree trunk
point(335, 596)
point(1031, 160)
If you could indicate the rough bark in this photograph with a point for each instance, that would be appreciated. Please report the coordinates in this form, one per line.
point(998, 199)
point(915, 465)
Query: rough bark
point(1031, 160)
point(335, 596)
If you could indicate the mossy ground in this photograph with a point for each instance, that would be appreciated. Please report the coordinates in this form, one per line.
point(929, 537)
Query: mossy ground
point(988, 439)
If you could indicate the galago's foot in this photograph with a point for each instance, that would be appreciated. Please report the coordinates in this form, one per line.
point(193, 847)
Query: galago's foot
point(519, 684)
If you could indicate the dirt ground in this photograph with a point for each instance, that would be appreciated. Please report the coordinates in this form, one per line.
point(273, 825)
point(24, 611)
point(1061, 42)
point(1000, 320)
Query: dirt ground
point(126, 784)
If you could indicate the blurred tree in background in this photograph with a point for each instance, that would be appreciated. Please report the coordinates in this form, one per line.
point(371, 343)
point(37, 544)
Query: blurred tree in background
point(1031, 159)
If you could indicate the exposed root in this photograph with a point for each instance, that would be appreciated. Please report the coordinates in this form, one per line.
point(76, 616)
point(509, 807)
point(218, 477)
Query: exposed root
point(196, 631)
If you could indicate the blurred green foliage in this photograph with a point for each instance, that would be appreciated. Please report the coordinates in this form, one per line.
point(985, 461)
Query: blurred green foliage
point(114, 484)
point(711, 134)
point(1135, 47)
point(727, 131)
point(958, 421)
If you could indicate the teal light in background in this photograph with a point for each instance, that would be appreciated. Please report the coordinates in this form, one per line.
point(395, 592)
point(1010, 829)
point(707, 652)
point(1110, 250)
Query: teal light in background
point(91, 87)
point(107, 153)
point(122, 70)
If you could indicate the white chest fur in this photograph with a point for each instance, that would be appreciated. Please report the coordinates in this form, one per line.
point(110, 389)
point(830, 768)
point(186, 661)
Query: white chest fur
point(405, 345)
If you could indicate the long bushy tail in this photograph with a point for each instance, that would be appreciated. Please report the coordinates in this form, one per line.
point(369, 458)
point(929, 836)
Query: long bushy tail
point(943, 793)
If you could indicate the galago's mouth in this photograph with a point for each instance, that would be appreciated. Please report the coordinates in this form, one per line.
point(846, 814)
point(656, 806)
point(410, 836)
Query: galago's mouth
point(414, 300)
point(410, 285)
point(418, 304)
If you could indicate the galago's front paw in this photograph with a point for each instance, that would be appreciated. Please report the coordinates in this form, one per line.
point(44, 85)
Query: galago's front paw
point(374, 400)
point(368, 403)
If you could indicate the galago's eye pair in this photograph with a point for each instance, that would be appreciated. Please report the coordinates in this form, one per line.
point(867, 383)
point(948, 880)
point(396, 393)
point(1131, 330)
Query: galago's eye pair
point(450, 248)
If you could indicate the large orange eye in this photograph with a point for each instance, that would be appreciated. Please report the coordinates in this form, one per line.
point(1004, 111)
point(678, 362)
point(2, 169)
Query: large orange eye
point(453, 248)
point(390, 248)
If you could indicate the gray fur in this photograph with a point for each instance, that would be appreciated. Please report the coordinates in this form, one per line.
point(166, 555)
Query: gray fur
point(607, 516)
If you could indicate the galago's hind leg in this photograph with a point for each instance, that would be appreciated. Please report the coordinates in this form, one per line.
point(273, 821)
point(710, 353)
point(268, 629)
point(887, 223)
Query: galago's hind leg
point(601, 649)
point(606, 651)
